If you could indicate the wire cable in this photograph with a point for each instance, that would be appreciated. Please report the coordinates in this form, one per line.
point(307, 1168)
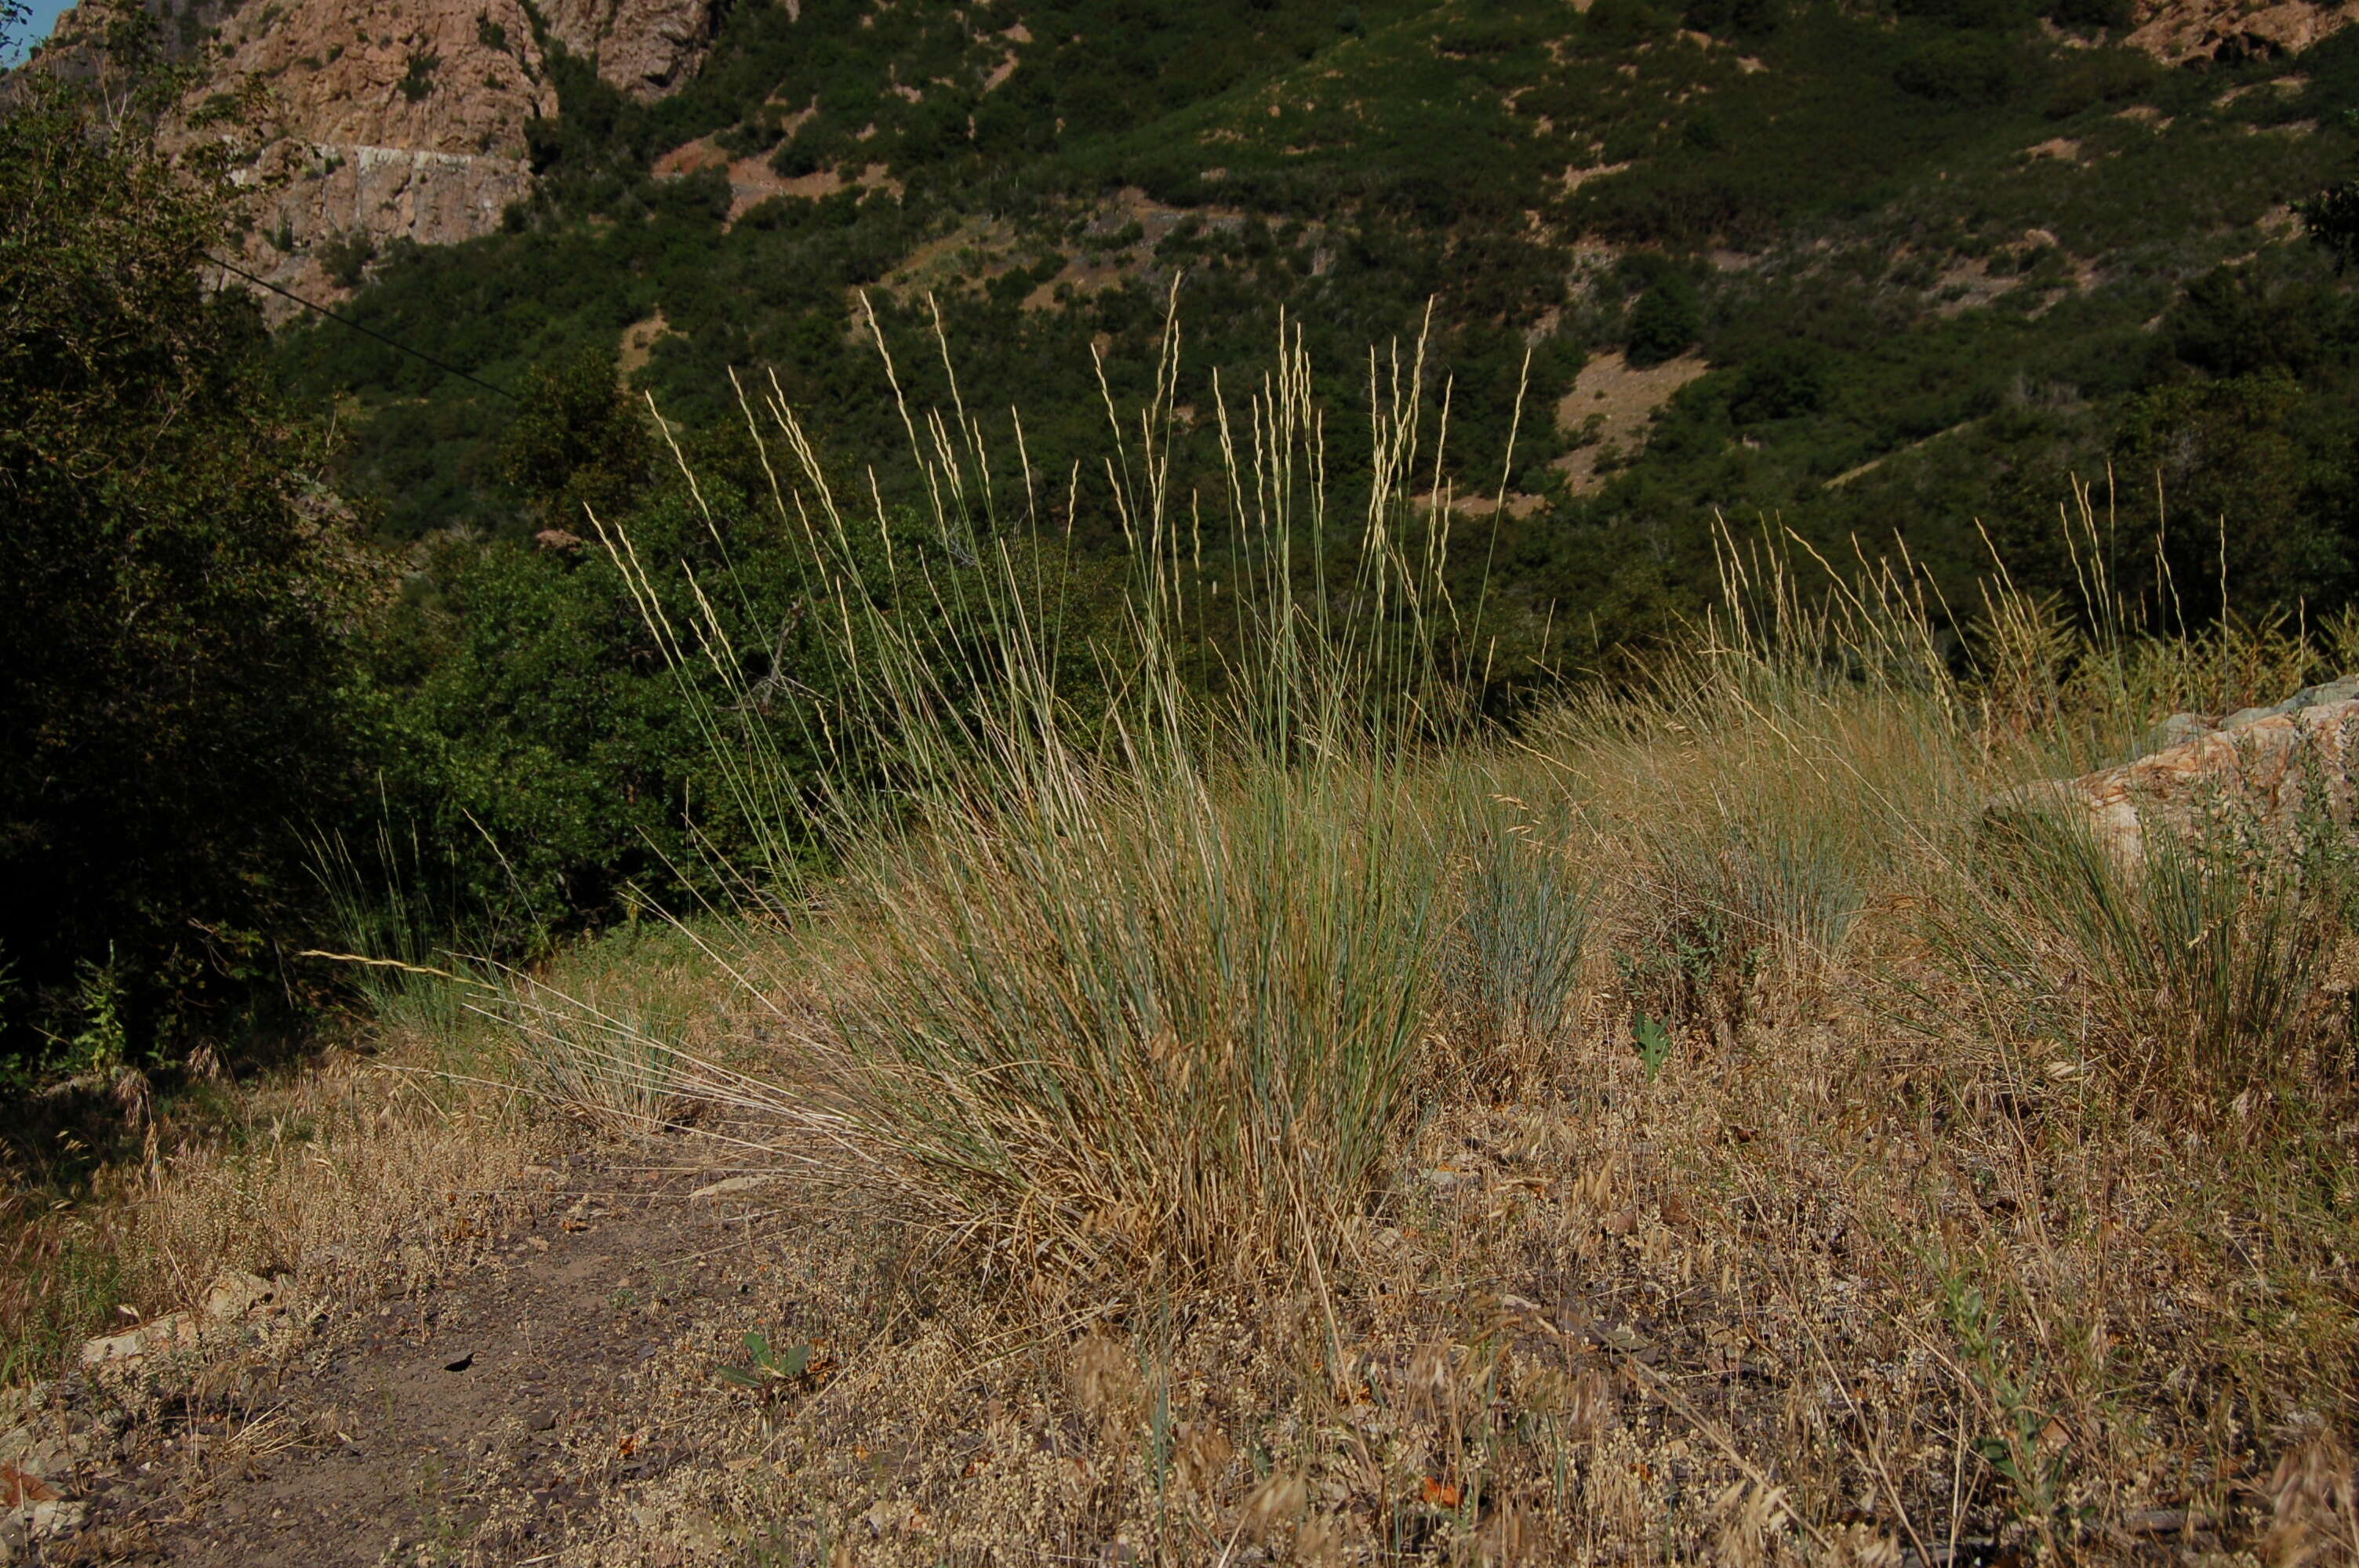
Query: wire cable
point(357, 327)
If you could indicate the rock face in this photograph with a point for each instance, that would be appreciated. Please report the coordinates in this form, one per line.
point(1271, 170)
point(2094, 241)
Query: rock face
point(2178, 31)
point(2259, 763)
point(646, 48)
point(373, 120)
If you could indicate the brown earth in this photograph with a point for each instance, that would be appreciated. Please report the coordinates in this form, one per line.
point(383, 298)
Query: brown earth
point(753, 182)
point(1621, 399)
point(485, 1415)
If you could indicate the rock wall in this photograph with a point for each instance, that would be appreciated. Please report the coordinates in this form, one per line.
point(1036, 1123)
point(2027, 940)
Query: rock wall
point(646, 48)
point(2178, 31)
point(367, 122)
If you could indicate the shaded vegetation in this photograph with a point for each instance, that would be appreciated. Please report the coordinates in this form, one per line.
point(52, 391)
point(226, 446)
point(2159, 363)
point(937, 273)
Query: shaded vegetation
point(174, 620)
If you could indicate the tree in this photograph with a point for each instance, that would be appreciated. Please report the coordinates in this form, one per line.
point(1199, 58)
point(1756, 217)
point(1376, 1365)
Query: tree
point(2329, 220)
point(1666, 320)
point(578, 441)
point(174, 587)
point(2243, 498)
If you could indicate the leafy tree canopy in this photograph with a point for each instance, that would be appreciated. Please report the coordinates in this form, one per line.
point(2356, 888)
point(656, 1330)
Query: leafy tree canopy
point(169, 659)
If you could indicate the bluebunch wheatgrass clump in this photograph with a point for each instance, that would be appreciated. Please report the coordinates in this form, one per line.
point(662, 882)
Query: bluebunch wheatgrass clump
point(1141, 983)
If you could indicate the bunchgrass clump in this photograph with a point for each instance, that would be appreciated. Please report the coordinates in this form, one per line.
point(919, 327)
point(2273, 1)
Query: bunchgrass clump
point(1135, 982)
point(1527, 898)
point(2187, 972)
point(1174, 1035)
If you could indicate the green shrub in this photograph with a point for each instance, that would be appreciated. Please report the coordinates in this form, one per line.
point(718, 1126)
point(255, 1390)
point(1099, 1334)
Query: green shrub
point(1666, 320)
point(1749, 20)
point(1966, 70)
point(418, 78)
point(171, 670)
point(1781, 384)
point(1617, 23)
point(344, 256)
point(2094, 16)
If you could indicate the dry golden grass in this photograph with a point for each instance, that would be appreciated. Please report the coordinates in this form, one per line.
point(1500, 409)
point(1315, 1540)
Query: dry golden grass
point(1778, 1216)
point(352, 1166)
point(385, 1161)
point(1269, 1136)
point(1852, 1274)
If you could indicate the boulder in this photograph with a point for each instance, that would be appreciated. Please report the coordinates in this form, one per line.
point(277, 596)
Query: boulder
point(2259, 762)
point(234, 1296)
point(173, 1331)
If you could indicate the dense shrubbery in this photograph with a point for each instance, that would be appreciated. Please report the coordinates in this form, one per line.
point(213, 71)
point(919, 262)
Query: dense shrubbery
point(172, 618)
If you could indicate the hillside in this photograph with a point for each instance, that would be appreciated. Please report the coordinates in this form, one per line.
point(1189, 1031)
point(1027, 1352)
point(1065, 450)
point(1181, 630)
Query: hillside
point(1167, 786)
point(1886, 282)
point(1934, 262)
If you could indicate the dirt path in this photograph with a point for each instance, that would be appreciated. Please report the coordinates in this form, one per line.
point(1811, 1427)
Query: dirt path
point(475, 1417)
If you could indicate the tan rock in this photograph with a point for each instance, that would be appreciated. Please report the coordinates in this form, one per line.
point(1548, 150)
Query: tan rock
point(2260, 768)
point(2176, 31)
point(390, 119)
point(234, 1296)
point(646, 48)
point(237, 1293)
point(458, 78)
point(368, 119)
point(31, 1521)
point(173, 1331)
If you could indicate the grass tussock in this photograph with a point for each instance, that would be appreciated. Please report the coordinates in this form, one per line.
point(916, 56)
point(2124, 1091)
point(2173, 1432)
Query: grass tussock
point(1174, 1037)
point(2189, 974)
point(1136, 983)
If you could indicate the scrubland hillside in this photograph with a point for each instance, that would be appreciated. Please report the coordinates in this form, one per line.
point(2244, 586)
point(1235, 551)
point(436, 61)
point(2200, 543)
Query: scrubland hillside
point(1276, 1116)
point(1184, 785)
point(1889, 280)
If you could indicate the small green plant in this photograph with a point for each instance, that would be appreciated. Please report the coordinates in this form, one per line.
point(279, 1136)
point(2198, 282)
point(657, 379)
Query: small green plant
point(1654, 1044)
point(418, 80)
point(2028, 1450)
point(769, 1367)
point(101, 1046)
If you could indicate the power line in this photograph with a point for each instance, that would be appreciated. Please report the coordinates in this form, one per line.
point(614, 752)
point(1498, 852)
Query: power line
point(357, 327)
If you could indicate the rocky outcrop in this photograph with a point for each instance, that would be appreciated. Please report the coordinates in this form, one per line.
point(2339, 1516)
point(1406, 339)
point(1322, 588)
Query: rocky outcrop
point(2178, 31)
point(2255, 769)
point(365, 121)
point(459, 80)
point(646, 48)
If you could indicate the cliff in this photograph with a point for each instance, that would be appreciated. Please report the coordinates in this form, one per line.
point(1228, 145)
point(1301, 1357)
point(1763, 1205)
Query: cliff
point(646, 48)
point(2179, 31)
point(374, 120)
